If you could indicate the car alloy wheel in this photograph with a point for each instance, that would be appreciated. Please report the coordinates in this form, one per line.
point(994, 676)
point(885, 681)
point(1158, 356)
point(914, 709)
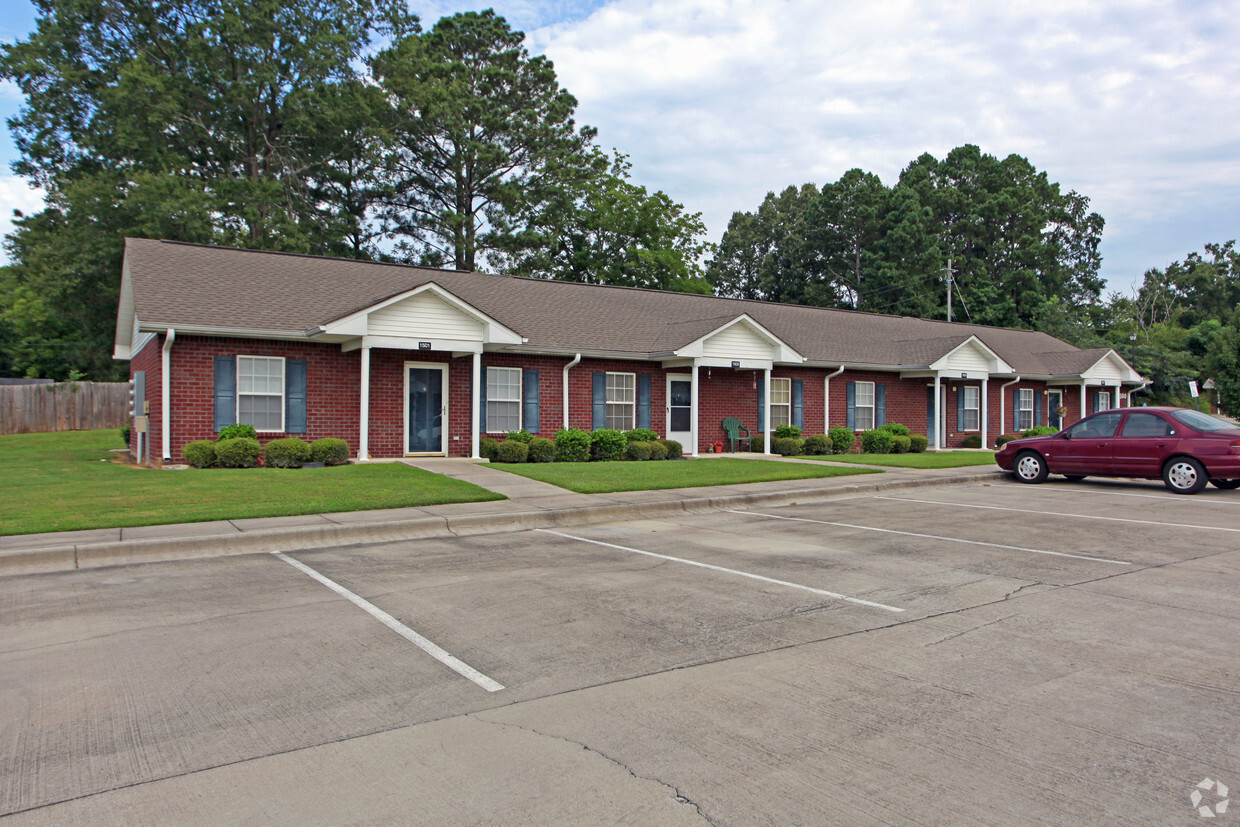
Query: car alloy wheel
point(1030, 467)
point(1185, 475)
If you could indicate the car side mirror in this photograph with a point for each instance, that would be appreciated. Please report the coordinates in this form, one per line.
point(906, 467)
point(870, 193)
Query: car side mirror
point(1066, 435)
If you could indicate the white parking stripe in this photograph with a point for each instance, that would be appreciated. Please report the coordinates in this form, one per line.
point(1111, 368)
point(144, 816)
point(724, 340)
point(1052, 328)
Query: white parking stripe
point(455, 664)
point(1064, 514)
point(937, 537)
point(1175, 498)
point(810, 589)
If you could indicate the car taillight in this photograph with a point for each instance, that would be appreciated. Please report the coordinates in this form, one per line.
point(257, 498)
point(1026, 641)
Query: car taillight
point(1234, 447)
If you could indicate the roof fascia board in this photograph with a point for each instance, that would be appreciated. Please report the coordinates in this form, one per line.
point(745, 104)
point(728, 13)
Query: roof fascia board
point(786, 354)
point(997, 365)
point(125, 313)
point(495, 331)
point(1130, 375)
point(231, 332)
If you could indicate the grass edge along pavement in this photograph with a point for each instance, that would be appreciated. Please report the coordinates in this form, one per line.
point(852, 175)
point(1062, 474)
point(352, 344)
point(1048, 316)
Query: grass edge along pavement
point(926, 461)
point(610, 477)
point(69, 480)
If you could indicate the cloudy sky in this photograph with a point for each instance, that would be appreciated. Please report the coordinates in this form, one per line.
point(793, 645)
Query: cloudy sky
point(1134, 104)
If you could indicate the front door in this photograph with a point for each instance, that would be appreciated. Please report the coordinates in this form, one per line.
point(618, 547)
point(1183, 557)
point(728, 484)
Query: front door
point(426, 410)
point(680, 410)
point(1054, 399)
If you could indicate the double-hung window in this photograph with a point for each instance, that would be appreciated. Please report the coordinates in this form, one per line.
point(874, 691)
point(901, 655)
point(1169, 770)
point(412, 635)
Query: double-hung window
point(781, 402)
point(260, 392)
point(864, 406)
point(1024, 409)
point(621, 400)
point(503, 399)
point(972, 410)
point(1103, 401)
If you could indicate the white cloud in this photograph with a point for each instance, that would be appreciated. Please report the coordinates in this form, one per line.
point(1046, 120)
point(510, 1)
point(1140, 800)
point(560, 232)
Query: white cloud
point(16, 194)
point(720, 101)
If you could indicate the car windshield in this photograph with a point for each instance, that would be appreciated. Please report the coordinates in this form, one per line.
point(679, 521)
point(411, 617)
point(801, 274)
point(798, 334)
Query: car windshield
point(1204, 422)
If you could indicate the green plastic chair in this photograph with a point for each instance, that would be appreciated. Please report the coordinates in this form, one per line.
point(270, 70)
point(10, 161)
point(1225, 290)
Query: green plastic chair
point(732, 427)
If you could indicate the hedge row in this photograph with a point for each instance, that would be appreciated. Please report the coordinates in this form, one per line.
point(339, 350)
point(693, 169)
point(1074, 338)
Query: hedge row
point(574, 445)
point(238, 447)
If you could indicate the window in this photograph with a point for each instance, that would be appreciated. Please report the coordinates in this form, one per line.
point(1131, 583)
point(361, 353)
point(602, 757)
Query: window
point(1024, 409)
point(864, 406)
point(260, 392)
point(1146, 425)
point(972, 411)
point(781, 402)
point(503, 400)
point(621, 400)
point(1103, 401)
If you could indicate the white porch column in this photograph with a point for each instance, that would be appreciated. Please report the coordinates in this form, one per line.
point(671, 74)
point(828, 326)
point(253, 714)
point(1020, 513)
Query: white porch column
point(1083, 392)
point(165, 404)
point(985, 412)
point(363, 425)
point(938, 414)
point(693, 423)
point(475, 395)
point(1117, 390)
point(766, 411)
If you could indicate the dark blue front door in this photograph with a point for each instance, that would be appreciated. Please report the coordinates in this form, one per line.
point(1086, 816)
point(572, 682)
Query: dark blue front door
point(425, 411)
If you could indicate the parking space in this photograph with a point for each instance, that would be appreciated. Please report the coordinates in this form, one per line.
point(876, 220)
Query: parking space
point(902, 659)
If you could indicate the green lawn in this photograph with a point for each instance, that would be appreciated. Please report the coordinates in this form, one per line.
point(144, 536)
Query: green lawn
point(941, 459)
point(605, 477)
point(64, 481)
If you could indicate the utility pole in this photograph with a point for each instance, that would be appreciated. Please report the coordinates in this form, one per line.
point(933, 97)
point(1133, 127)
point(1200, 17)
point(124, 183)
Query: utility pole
point(949, 290)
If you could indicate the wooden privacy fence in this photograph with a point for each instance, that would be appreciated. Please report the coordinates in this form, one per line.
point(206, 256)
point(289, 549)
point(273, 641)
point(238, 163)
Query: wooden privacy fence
point(65, 406)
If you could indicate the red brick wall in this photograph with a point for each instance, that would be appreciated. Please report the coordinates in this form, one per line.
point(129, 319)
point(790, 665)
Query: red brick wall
point(149, 360)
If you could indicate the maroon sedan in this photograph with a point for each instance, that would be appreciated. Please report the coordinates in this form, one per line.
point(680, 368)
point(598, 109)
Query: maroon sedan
point(1186, 448)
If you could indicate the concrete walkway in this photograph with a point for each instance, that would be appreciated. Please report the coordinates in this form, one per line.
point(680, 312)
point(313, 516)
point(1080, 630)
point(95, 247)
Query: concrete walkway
point(530, 504)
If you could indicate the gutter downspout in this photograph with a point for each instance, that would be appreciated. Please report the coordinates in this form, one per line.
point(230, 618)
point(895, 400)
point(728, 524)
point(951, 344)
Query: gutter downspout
point(1002, 388)
point(165, 401)
point(826, 399)
point(576, 359)
point(1144, 385)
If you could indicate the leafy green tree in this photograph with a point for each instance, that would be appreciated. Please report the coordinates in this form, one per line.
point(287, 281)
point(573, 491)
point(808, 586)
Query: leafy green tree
point(768, 255)
point(844, 225)
point(1224, 365)
point(485, 137)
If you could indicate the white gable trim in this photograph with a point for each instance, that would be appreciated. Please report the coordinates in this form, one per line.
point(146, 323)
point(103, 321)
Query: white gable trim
point(780, 352)
point(356, 324)
point(1111, 367)
point(951, 360)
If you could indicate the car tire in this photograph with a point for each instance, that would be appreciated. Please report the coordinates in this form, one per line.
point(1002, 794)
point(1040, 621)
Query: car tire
point(1074, 477)
point(1030, 467)
point(1184, 475)
point(1226, 485)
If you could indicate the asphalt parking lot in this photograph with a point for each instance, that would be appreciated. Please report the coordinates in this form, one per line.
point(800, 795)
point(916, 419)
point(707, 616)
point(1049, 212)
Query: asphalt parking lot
point(1063, 653)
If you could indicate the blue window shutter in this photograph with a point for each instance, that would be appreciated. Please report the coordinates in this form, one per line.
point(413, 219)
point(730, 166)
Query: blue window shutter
point(931, 431)
point(529, 379)
point(600, 401)
point(880, 405)
point(798, 402)
point(482, 402)
point(1037, 408)
point(762, 407)
point(850, 399)
point(643, 400)
point(1016, 410)
point(225, 392)
point(1096, 408)
point(960, 408)
point(295, 396)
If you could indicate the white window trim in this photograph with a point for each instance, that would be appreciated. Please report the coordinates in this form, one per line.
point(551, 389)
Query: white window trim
point(518, 400)
point(787, 406)
point(608, 401)
point(1021, 409)
point(978, 407)
point(858, 407)
point(283, 392)
point(1106, 398)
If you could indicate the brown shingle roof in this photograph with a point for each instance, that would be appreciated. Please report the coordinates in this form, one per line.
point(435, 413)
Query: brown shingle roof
point(177, 285)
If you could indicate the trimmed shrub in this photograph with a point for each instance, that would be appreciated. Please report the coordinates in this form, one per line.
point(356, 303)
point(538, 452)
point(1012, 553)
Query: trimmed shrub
point(918, 443)
point(842, 439)
point(876, 441)
point(330, 451)
point(125, 434)
point(901, 444)
point(1003, 439)
point(487, 447)
point(787, 432)
point(972, 441)
point(200, 454)
point(895, 429)
point(238, 452)
point(817, 445)
point(637, 451)
point(786, 446)
point(572, 445)
point(541, 449)
point(657, 449)
point(641, 435)
point(518, 436)
point(757, 443)
point(289, 452)
point(512, 450)
point(1041, 430)
point(236, 431)
point(674, 449)
point(606, 444)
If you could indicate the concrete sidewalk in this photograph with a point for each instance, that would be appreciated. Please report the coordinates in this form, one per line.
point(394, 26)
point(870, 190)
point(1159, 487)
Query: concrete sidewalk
point(530, 504)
